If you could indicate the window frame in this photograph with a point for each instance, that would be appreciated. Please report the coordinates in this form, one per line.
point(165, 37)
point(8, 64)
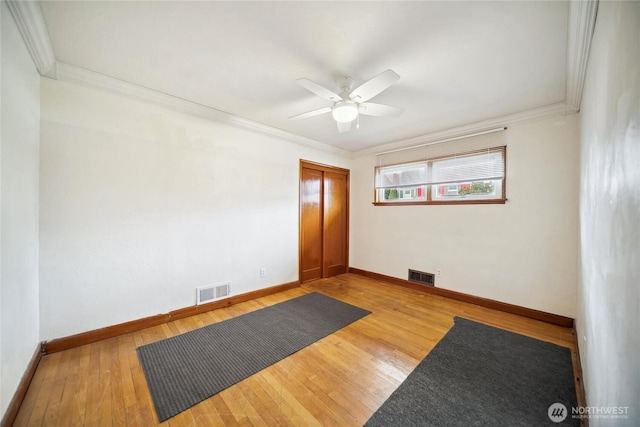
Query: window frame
point(429, 200)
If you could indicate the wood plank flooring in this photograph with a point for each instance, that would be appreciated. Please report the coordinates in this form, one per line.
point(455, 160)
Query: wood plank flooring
point(340, 380)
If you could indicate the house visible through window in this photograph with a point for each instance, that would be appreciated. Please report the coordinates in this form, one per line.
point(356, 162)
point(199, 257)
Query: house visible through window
point(464, 178)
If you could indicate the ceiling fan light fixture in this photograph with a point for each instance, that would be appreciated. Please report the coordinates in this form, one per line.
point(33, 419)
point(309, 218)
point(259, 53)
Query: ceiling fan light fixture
point(350, 104)
point(345, 111)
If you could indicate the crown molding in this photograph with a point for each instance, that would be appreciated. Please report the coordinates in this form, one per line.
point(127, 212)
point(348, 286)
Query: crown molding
point(76, 75)
point(28, 17)
point(508, 120)
point(582, 21)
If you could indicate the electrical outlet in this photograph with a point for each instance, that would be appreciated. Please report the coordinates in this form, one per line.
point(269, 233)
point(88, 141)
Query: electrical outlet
point(438, 272)
point(263, 272)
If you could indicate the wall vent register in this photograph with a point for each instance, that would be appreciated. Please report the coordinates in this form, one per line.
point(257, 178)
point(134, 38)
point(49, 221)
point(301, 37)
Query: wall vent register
point(421, 277)
point(210, 293)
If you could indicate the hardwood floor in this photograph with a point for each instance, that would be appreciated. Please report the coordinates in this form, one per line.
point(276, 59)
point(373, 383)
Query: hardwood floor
point(339, 380)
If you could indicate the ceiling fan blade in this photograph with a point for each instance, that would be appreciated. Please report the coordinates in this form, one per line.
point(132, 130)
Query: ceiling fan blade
point(374, 86)
point(312, 113)
point(372, 109)
point(344, 127)
point(321, 91)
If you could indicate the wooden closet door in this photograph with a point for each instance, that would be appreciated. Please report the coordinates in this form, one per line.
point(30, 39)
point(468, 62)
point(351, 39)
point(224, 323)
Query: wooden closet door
point(334, 252)
point(311, 183)
point(324, 216)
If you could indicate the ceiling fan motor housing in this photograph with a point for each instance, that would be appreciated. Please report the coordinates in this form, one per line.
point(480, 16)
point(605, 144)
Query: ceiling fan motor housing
point(345, 84)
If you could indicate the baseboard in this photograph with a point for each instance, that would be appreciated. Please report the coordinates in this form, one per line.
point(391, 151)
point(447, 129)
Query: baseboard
point(577, 372)
point(555, 319)
point(14, 406)
point(60, 344)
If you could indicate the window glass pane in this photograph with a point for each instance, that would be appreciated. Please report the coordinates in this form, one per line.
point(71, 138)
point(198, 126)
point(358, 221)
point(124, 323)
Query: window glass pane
point(471, 190)
point(404, 175)
point(402, 194)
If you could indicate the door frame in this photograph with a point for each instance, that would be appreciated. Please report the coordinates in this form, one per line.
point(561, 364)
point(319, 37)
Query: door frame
point(324, 168)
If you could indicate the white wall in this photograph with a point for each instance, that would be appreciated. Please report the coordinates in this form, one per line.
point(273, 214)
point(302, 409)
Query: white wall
point(140, 205)
point(608, 320)
point(523, 252)
point(19, 318)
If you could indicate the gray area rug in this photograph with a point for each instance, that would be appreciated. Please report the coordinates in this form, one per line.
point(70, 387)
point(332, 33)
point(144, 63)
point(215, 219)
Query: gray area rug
point(189, 368)
point(483, 376)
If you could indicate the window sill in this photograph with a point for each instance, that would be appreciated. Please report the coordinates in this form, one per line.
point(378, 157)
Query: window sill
point(447, 202)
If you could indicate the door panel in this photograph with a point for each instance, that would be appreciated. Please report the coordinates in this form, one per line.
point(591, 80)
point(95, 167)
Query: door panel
point(324, 221)
point(335, 224)
point(310, 224)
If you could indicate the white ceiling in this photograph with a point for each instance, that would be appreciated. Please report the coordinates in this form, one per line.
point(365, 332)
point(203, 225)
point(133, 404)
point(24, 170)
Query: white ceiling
point(459, 62)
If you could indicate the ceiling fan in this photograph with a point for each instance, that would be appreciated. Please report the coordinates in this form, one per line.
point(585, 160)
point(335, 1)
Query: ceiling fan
point(349, 104)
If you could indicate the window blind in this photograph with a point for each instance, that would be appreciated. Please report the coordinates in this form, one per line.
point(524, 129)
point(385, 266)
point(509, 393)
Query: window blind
point(443, 148)
point(482, 166)
point(476, 158)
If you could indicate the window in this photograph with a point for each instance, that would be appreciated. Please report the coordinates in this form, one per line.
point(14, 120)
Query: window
point(464, 178)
